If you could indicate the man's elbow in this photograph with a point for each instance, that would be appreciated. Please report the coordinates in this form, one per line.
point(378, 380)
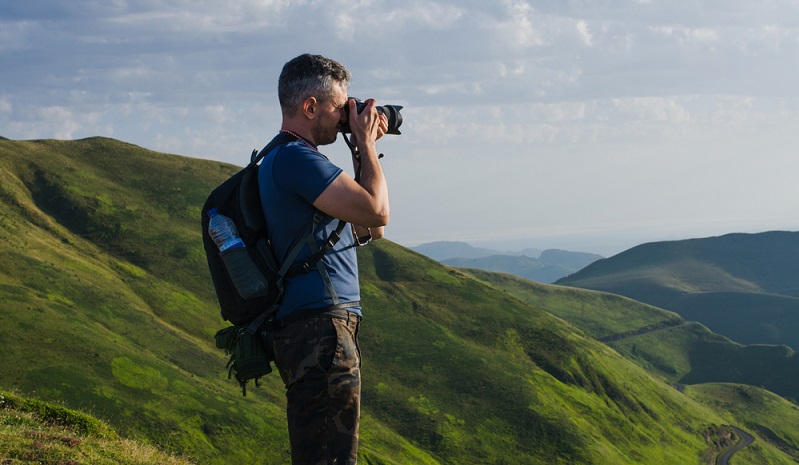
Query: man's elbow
point(384, 217)
point(380, 217)
point(379, 220)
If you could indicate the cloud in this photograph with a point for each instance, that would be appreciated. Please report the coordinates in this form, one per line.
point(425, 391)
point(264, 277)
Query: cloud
point(559, 110)
point(585, 33)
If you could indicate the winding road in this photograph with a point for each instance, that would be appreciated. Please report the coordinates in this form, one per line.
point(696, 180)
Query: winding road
point(746, 439)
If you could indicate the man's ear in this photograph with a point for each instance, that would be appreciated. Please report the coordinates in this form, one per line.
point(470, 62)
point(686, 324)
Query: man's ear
point(309, 107)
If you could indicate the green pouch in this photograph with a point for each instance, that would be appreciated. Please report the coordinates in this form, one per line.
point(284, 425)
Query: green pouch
point(225, 338)
point(248, 357)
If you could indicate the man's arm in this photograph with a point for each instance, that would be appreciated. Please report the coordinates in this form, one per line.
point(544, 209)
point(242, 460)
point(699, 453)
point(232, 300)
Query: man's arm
point(366, 203)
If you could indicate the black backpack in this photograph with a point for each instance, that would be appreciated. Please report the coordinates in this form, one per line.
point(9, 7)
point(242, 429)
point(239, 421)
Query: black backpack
point(239, 199)
point(249, 280)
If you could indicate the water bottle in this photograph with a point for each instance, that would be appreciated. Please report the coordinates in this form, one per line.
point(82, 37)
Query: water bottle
point(223, 231)
point(245, 275)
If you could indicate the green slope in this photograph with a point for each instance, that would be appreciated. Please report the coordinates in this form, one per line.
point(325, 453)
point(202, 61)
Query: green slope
point(773, 420)
point(106, 306)
point(600, 314)
point(661, 341)
point(745, 286)
point(33, 431)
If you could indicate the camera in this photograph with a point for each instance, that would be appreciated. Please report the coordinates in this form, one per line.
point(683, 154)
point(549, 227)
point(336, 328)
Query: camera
point(391, 111)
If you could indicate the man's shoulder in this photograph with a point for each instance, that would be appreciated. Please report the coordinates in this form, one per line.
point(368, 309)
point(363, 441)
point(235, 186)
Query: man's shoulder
point(298, 152)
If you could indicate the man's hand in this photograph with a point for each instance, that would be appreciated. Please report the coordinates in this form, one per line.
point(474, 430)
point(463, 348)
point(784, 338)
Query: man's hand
point(367, 126)
point(365, 203)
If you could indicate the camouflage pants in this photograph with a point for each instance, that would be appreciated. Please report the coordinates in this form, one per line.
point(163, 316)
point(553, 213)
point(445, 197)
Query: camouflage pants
point(319, 362)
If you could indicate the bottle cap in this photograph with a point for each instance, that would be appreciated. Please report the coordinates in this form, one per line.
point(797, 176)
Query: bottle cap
point(213, 212)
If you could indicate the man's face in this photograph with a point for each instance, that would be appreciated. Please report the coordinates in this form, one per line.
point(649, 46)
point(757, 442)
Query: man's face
point(331, 114)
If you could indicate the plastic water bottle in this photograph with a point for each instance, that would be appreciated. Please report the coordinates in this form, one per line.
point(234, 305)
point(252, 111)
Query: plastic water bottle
point(248, 280)
point(223, 231)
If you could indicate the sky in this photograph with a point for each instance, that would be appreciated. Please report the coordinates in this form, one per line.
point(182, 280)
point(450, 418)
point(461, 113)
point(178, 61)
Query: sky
point(586, 125)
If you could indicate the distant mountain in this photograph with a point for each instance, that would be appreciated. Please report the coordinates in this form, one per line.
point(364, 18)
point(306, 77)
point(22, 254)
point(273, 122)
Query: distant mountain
point(444, 250)
point(546, 267)
point(525, 267)
point(3, 138)
point(529, 252)
point(107, 305)
point(553, 264)
point(744, 286)
point(567, 259)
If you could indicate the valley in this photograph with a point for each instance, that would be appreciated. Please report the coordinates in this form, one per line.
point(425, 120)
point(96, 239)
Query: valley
point(107, 307)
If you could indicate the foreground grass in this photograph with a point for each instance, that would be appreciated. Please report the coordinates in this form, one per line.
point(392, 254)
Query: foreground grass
point(33, 431)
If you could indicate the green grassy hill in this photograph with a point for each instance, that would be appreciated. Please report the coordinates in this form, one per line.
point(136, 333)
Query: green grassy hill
point(744, 286)
point(754, 408)
point(106, 306)
point(661, 341)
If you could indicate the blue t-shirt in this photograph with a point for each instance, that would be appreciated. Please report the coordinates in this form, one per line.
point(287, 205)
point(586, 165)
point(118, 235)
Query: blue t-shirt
point(290, 179)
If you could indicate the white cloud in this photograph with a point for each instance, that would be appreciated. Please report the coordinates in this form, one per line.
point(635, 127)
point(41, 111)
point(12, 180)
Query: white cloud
point(577, 96)
point(686, 35)
point(585, 32)
point(658, 109)
point(426, 14)
point(519, 29)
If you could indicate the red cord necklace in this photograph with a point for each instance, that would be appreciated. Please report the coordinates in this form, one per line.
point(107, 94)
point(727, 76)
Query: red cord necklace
point(300, 138)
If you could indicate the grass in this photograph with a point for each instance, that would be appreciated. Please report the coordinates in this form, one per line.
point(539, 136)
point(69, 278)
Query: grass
point(719, 281)
point(600, 314)
point(32, 431)
point(773, 420)
point(661, 341)
point(107, 306)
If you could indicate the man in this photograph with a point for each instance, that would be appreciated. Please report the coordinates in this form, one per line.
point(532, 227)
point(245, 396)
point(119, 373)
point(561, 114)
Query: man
point(315, 338)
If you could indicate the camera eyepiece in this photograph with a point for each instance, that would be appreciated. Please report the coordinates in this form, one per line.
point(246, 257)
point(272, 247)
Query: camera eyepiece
point(392, 112)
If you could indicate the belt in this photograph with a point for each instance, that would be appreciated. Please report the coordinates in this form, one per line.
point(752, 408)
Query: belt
point(334, 311)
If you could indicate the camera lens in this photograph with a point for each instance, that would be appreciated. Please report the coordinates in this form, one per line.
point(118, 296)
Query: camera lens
point(394, 116)
point(392, 112)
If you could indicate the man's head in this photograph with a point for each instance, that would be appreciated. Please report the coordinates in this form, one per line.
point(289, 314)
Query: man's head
point(309, 76)
point(314, 85)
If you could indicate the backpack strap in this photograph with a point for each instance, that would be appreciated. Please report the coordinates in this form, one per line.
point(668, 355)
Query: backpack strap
point(318, 253)
point(286, 268)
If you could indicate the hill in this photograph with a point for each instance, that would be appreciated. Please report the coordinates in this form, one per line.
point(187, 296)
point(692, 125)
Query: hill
point(680, 351)
point(551, 266)
point(107, 306)
point(547, 266)
point(752, 407)
point(744, 286)
point(444, 250)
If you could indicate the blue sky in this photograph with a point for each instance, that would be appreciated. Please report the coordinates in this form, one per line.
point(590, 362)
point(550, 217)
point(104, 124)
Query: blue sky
point(587, 125)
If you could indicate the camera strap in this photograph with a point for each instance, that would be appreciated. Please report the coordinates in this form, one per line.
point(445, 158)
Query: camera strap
point(356, 154)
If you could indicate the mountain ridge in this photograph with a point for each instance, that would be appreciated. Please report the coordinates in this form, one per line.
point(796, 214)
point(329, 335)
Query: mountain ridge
point(716, 280)
point(545, 266)
point(107, 305)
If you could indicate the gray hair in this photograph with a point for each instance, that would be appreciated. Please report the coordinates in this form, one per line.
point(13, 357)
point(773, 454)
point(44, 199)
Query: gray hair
point(309, 76)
